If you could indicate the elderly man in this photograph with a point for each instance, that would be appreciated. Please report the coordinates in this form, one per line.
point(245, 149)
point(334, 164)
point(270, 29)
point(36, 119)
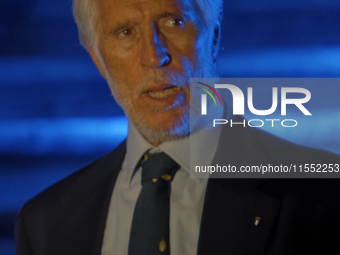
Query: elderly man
point(126, 203)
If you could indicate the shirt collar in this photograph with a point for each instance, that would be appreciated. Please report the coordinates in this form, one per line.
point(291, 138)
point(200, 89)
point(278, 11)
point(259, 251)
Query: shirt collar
point(197, 149)
point(135, 148)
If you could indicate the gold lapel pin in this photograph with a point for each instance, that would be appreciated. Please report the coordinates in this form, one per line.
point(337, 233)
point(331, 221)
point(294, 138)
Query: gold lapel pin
point(257, 221)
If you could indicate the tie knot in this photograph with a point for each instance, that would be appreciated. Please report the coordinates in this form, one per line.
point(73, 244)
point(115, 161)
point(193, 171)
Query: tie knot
point(158, 166)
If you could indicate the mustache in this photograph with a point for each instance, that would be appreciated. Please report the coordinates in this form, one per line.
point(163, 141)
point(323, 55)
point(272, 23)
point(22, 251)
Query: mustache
point(175, 78)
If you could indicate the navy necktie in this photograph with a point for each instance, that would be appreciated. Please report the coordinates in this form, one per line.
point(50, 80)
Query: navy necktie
point(150, 224)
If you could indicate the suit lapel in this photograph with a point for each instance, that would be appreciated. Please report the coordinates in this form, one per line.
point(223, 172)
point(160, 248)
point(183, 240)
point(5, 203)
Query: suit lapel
point(102, 215)
point(229, 224)
point(237, 216)
point(86, 206)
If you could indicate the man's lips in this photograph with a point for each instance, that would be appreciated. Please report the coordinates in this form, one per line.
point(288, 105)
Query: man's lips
point(162, 91)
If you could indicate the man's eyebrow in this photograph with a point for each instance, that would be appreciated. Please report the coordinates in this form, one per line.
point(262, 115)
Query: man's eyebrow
point(169, 15)
point(122, 26)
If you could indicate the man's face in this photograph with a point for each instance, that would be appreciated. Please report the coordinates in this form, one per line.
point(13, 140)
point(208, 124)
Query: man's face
point(148, 50)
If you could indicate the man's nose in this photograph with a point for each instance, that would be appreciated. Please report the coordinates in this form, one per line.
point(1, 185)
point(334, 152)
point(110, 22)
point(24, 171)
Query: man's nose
point(154, 52)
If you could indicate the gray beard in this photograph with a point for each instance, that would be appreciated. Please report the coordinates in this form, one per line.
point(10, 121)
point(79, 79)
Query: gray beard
point(184, 125)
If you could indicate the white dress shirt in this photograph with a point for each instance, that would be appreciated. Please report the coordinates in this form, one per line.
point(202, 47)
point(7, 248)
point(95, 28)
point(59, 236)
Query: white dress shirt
point(187, 194)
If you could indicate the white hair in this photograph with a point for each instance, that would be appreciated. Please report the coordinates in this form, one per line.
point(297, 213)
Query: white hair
point(85, 13)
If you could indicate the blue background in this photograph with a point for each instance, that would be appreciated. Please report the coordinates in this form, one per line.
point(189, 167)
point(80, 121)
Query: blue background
point(56, 111)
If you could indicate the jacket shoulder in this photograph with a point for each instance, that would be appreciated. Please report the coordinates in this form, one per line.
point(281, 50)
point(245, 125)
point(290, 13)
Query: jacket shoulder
point(280, 150)
point(79, 184)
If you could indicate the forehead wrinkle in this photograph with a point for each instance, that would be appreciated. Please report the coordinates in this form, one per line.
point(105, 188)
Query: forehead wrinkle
point(123, 18)
point(172, 6)
point(138, 11)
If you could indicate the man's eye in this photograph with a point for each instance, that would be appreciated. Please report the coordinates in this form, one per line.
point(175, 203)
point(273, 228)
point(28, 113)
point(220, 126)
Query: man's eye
point(125, 32)
point(175, 23)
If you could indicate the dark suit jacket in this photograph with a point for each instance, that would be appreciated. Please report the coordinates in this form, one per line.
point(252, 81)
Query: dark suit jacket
point(297, 216)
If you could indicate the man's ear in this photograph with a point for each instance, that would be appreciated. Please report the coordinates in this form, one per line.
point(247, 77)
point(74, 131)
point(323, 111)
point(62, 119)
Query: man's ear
point(216, 41)
point(94, 57)
point(217, 35)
